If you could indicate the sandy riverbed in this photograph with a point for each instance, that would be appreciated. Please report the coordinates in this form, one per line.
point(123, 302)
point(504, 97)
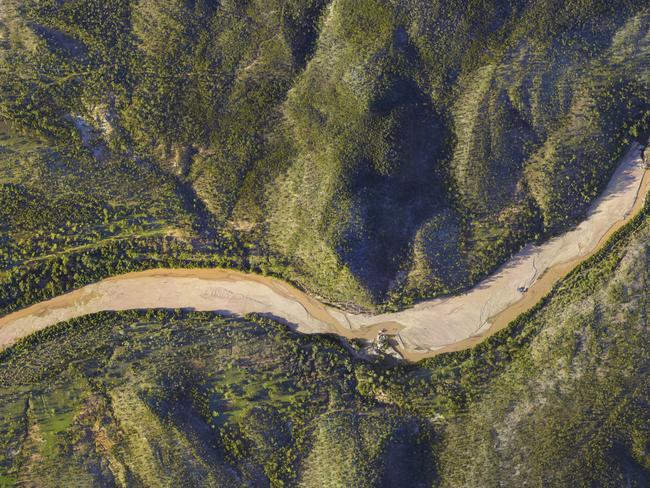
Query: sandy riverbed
point(431, 327)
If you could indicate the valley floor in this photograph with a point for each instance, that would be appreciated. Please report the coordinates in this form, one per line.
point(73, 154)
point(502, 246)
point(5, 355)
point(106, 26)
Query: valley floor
point(431, 327)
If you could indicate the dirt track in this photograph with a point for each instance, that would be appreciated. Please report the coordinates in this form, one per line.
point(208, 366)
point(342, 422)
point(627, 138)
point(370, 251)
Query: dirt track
point(431, 327)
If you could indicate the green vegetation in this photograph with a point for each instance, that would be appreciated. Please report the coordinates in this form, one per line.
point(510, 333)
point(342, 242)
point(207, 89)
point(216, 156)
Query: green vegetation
point(373, 152)
point(67, 221)
point(162, 398)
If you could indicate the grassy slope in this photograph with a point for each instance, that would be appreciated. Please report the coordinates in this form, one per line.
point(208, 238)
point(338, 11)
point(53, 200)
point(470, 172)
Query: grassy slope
point(71, 219)
point(370, 151)
point(152, 398)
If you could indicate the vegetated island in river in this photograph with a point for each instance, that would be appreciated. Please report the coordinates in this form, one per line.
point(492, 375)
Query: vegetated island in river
point(429, 328)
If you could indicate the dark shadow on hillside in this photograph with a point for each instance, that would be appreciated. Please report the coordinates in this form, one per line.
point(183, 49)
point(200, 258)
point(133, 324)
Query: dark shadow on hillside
point(393, 204)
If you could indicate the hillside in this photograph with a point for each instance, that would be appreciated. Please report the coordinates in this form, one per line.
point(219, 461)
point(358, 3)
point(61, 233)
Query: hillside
point(162, 398)
point(373, 152)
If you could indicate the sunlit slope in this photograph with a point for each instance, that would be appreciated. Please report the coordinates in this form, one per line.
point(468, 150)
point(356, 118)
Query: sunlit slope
point(68, 219)
point(369, 150)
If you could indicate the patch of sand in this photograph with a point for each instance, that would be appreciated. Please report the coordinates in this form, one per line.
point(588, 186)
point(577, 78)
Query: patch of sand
point(429, 328)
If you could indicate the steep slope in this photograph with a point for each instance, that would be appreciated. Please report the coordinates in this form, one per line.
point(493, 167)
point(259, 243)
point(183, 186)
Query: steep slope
point(68, 219)
point(371, 151)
